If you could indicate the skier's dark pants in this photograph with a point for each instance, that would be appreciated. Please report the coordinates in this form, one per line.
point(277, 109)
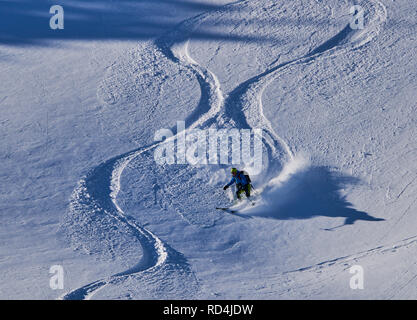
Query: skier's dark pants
point(241, 189)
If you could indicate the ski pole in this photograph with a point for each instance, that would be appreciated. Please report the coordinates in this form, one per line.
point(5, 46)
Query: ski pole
point(256, 191)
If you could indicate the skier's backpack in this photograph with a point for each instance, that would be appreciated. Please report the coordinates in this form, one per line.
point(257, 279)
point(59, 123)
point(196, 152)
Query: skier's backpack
point(246, 176)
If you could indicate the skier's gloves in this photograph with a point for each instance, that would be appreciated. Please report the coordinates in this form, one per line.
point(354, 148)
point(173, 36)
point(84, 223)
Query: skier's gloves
point(225, 187)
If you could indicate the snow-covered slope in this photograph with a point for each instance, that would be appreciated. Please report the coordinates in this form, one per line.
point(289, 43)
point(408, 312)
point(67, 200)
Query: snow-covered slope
point(337, 107)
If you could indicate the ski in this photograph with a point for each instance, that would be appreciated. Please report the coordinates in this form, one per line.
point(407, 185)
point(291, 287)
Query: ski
point(226, 209)
point(234, 212)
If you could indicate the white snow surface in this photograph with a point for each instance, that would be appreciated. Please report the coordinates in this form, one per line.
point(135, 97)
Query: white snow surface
point(81, 187)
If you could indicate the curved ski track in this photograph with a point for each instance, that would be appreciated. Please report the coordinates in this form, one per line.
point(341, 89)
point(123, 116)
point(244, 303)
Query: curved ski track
point(98, 190)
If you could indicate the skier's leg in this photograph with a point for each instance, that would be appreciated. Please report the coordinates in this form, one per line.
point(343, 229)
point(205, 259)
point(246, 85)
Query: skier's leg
point(238, 191)
point(247, 190)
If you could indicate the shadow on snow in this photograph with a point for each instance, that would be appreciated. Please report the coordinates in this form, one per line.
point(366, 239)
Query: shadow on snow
point(316, 191)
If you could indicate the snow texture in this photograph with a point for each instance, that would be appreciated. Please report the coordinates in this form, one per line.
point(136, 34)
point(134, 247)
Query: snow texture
point(82, 189)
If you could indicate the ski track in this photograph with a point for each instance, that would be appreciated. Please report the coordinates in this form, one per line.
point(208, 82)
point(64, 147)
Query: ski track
point(405, 243)
point(155, 251)
point(242, 108)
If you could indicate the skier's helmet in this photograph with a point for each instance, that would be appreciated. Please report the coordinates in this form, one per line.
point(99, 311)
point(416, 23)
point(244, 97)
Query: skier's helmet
point(234, 170)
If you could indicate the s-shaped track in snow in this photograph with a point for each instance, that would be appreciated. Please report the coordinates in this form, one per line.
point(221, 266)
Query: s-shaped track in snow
point(94, 200)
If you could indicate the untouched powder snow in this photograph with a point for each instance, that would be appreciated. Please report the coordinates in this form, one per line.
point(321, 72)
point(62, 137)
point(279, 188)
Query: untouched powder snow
point(83, 188)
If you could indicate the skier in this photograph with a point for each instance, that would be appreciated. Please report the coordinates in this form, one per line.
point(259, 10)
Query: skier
point(243, 183)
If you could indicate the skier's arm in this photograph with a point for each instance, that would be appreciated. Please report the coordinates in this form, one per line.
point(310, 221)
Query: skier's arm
point(230, 183)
